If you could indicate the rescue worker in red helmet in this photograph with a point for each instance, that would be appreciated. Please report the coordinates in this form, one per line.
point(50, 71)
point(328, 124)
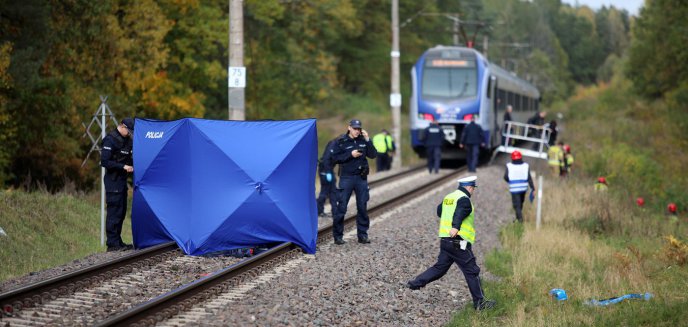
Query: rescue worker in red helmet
point(568, 160)
point(517, 174)
point(601, 184)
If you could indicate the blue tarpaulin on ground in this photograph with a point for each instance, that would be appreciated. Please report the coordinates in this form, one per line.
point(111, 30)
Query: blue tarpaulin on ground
point(219, 185)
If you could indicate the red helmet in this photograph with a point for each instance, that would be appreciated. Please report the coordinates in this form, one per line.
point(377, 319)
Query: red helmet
point(567, 148)
point(516, 155)
point(602, 180)
point(672, 207)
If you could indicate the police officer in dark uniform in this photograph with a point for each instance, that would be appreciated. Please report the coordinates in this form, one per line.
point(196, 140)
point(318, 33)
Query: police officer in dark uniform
point(433, 146)
point(457, 234)
point(328, 181)
point(116, 158)
point(472, 137)
point(351, 150)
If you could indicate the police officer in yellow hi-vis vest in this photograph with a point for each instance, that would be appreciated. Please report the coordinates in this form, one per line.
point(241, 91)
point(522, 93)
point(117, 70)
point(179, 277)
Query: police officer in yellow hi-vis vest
point(384, 145)
point(457, 235)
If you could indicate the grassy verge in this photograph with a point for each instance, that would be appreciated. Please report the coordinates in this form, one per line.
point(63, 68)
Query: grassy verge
point(600, 245)
point(45, 230)
point(592, 252)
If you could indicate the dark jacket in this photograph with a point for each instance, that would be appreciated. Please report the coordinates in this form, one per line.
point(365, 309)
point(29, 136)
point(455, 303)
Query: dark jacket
point(519, 162)
point(536, 120)
point(350, 166)
point(463, 209)
point(472, 134)
point(326, 165)
point(116, 152)
point(433, 136)
point(507, 116)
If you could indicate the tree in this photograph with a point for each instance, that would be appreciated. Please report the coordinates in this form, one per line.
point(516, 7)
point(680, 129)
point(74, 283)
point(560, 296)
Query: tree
point(658, 52)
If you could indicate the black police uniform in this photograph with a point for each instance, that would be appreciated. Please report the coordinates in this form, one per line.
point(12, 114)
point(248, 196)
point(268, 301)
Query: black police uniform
point(116, 152)
point(471, 137)
point(450, 252)
point(433, 146)
point(328, 189)
point(353, 174)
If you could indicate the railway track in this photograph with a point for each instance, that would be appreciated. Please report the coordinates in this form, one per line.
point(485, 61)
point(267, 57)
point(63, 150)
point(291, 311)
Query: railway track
point(26, 297)
point(168, 305)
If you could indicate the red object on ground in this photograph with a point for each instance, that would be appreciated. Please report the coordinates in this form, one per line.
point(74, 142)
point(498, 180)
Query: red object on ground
point(640, 202)
point(602, 180)
point(672, 207)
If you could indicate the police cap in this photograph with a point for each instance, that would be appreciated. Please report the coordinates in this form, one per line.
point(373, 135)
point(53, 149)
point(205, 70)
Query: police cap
point(355, 123)
point(468, 181)
point(129, 123)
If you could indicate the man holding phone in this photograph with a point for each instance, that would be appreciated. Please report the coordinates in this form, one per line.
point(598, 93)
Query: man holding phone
point(350, 152)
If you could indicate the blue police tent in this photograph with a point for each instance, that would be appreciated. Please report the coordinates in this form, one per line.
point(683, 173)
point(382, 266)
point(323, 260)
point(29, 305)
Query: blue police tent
point(219, 185)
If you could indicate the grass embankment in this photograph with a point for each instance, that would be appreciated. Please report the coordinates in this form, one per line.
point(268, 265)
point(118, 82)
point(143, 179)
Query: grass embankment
point(600, 245)
point(593, 247)
point(46, 230)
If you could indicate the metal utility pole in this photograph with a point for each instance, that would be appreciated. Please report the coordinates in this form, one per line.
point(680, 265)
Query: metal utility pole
point(236, 71)
point(100, 118)
point(395, 96)
point(456, 31)
point(485, 44)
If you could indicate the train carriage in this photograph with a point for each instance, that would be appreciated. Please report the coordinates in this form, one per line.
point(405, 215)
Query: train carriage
point(452, 84)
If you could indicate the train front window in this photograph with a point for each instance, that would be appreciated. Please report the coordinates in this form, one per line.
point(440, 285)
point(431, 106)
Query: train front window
point(450, 83)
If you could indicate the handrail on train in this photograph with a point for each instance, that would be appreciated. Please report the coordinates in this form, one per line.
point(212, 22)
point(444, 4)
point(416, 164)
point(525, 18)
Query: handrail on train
point(538, 134)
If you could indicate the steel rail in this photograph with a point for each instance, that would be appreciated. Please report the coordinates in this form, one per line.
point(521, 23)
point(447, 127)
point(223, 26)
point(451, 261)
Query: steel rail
point(27, 296)
point(183, 298)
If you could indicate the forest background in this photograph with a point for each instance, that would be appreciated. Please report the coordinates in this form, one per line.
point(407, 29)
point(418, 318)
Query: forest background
point(167, 59)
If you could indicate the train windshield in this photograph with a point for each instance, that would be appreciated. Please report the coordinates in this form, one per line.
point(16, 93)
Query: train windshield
point(450, 82)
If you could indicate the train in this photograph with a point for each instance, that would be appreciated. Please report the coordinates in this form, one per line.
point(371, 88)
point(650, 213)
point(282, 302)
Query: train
point(451, 84)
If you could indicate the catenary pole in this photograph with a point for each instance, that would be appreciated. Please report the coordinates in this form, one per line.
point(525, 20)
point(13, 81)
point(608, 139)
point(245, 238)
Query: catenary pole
point(102, 176)
point(236, 71)
point(395, 96)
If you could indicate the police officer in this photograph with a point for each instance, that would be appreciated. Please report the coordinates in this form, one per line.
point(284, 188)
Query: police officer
point(433, 137)
point(116, 158)
point(517, 174)
point(457, 235)
point(384, 146)
point(350, 153)
point(328, 181)
point(472, 137)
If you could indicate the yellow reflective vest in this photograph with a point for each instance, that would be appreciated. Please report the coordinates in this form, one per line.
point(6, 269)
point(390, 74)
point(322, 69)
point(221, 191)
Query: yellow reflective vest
point(390, 142)
point(555, 156)
point(467, 231)
point(600, 186)
point(380, 143)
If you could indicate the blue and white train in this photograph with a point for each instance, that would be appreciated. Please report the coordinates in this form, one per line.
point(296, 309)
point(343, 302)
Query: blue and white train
point(451, 84)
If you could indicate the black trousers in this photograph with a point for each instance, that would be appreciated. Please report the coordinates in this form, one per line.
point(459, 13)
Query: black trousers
point(116, 210)
point(359, 186)
point(472, 152)
point(327, 190)
point(434, 154)
point(449, 254)
point(383, 162)
point(517, 201)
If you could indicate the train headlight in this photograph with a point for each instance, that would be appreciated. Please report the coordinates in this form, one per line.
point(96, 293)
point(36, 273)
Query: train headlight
point(426, 116)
